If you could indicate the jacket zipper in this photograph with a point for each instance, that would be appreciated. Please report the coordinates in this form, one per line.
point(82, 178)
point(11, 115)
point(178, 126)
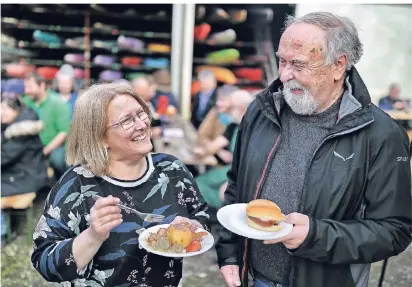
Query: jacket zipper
point(300, 209)
point(258, 187)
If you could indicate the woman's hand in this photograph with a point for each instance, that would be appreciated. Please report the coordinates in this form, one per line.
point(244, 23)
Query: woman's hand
point(181, 220)
point(104, 216)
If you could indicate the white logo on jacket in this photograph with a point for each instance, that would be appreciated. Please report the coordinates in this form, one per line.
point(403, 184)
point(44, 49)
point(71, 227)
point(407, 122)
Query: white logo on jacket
point(344, 159)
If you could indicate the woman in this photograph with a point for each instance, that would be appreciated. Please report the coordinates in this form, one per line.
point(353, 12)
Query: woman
point(23, 164)
point(85, 243)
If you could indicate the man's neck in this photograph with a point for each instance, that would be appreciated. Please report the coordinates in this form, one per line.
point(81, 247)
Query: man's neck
point(207, 92)
point(336, 94)
point(66, 97)
point(41, 98)
point(127, 170)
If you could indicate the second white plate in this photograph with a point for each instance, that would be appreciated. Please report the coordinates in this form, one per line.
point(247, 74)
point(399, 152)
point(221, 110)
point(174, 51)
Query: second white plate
point(233, 218)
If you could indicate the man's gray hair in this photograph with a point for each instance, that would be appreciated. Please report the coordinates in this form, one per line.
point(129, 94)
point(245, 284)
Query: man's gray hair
point(342, 35)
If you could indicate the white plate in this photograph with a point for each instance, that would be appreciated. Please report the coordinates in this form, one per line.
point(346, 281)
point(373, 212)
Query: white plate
point(207, 242)
point(233, 218)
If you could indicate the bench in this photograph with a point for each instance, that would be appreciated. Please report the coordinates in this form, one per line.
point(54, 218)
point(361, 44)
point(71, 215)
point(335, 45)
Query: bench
point(19, 203)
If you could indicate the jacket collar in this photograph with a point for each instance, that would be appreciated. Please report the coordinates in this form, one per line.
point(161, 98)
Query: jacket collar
point(23, 128)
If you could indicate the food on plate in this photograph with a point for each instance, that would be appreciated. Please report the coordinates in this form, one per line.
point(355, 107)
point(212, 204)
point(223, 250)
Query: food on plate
point(177, 238)
point(179, 234)
point(264, 215)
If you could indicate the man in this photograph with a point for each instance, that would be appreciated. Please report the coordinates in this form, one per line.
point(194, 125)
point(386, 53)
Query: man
point(223, 146)
point(65, 83)
point(205, 100)
point(54, 112)
point(146, 87)
point(392, 101)
point(218, 117)
point(337, 166)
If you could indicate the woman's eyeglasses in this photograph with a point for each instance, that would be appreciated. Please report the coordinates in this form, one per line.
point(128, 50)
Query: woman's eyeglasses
point(130, 122)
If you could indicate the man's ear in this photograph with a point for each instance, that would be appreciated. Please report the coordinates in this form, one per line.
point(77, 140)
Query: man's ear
point(339, 67)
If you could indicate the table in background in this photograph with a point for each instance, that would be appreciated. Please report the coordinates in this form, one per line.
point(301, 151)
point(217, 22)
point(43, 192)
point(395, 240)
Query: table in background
point(401, 116)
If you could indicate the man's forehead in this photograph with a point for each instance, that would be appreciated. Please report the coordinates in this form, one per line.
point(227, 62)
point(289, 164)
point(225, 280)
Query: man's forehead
point(303, 39)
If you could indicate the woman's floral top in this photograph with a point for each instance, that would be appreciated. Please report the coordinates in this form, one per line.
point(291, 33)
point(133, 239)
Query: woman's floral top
point(166, 188)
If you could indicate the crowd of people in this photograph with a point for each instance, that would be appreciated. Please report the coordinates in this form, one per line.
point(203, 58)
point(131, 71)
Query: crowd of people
point(312, 142)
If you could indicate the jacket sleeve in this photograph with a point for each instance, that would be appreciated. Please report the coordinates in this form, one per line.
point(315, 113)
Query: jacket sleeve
point(227, 244)
point(384, 230)
point(61, 221)
point(12, 149)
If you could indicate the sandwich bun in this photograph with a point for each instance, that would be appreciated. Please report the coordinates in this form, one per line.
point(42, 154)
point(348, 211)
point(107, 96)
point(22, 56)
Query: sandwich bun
point(264, 215)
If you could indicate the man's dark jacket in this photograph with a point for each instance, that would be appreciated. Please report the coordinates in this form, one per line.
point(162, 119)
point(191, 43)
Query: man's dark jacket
point(357, 190)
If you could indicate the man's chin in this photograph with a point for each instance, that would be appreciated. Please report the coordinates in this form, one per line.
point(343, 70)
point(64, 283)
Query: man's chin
point(301, 108)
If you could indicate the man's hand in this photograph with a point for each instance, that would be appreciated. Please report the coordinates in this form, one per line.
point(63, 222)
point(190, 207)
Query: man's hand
point(225, 155)
point(199, 152)
point(46, 151)
point(298, 234)
point(222, 190)
point(231, 275)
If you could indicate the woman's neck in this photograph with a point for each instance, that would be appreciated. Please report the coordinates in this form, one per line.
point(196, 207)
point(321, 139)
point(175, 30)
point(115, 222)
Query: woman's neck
point(127, 170)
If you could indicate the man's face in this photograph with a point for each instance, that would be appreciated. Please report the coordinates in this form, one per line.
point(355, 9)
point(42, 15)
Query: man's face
point(207, 84)
point(223, 104)
point(306, 79)
point(32, 89)
point(144, 89)
point(65, 84)
point(394, 93)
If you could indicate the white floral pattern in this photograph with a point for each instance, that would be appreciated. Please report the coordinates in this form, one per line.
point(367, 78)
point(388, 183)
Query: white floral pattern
point(74, 222)
point(102, 275)
point(54, 212)
point(41, 228)
point(169, 274)
point(83, 171)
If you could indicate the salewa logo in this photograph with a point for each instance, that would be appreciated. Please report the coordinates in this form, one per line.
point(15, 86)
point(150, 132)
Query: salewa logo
point(344, 159)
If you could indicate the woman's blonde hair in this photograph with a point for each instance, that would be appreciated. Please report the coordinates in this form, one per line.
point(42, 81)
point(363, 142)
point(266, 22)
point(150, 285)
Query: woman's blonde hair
point(89, 124)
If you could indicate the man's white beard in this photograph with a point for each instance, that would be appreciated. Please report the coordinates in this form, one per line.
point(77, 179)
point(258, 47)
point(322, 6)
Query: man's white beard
point(303, 104)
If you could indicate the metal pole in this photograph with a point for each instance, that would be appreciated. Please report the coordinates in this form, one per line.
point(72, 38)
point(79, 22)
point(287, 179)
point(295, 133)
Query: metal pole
point(382, 276)
point(176, 59)
point(87, 48)
point(187, 60)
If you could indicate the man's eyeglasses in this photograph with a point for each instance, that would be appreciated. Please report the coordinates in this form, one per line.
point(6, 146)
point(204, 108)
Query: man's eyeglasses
point(130, 122)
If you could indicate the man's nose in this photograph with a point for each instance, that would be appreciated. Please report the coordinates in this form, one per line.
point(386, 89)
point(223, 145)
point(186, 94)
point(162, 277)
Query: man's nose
point(286, 74)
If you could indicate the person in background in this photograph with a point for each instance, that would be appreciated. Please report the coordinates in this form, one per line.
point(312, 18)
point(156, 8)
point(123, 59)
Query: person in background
point(54, 112)
point(336, 165)
point(146, 87)
point(23, 165)
point(66, 85)
point(205, 100)
point(392, 100)
point(218, 118)
point(223, 146)
point(82, 242)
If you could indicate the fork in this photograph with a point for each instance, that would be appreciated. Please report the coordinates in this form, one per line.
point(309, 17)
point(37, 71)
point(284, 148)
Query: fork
point(149, 217)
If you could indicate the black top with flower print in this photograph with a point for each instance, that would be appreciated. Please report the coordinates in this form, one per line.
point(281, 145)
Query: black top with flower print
point(166, 188)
